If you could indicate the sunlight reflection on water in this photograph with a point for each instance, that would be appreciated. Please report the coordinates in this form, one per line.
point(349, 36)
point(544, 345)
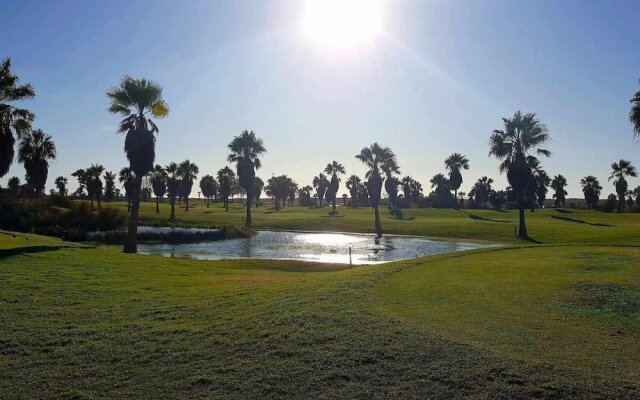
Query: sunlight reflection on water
point(318, 247)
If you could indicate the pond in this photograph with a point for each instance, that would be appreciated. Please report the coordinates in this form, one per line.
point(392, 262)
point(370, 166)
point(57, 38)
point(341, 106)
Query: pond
point(318, 247)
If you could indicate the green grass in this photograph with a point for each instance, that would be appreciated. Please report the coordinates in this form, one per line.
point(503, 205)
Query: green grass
point(523, 321)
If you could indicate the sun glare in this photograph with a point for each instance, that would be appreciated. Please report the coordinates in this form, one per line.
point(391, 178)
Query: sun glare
point(342, 24)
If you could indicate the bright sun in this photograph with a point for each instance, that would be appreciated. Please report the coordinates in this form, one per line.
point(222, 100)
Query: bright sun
point(342, 24)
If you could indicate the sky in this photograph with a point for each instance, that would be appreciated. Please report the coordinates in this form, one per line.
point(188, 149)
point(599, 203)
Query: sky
point(434, 77)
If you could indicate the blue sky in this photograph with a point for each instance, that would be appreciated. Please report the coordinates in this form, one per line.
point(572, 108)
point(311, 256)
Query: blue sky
point(436, 80)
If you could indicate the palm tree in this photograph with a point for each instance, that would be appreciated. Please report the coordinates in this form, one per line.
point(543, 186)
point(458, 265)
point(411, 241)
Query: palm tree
point(225, 179)
point(558, 184)
point(173, 187)
point(390, 168)
point(353, 184)
point(374, 157)
point(14, 122)
point(158, 184)
point(521, 135)
point(591, 189)
point(61, 184)
point(257, 190)
point(334, 169)
point(13, 185)
point(245, 152)
point(188, 173)
point(321, 184)
point(94, 183)
point(634, 114)
point(621, 169)
point(636, 193)
point(109, 186)
point(36, 149)
point(126, 177)
point(454, 163)
point(481, 191)
point(542, 181)
point(136, 99)
point(208, 186)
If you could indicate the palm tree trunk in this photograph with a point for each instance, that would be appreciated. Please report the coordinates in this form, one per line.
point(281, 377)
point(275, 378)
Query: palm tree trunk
point(620, 203)
point(99, 204)
point(226, 204)
point(248, 220)
point(91, 203)
point(173, 208)
point(378, 226)
point(333, 203)
point(131, 245)
point(157, 205)
point(186, 203)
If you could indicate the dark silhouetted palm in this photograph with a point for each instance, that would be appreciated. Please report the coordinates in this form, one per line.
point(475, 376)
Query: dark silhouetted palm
point(188, 172)
point(454, 164)
point(246, 150)
point(591, 189)
point(353, 185)
point(620, 170)
point(257, 190)
point(634, 114)
point(558, 183)
point(14, 122)
point(61, 184)
point(126, 177)
point(208, 186)
point(109, 186)
point(374, 157)
point(36, 149)
point(158, 184)
point(225, 181)
point(391, 183)
point(521, 135)
point(334, 169)
point(136, 99)
point(94, 183)
point(173, 187)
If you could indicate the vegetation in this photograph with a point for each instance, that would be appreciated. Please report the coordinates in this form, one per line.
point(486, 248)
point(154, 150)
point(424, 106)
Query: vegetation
point(36, 149)
point(246, 150)
point(334, 169)
point(454, 164)
point(620, 170)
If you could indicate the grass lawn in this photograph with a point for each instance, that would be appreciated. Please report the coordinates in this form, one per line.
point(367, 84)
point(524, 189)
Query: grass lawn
point(554, 321)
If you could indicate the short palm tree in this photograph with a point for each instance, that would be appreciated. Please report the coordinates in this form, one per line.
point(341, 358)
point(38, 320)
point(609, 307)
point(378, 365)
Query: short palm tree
point(634, 114)
point(14, 122)
point(61, 184)
point(173, 187)
point(110, 191)
point(620, 170)
point(522, 134)
point(226, 177)
point(334, 169)
point(558, 183)
point(208, 186)
point(391, 183)
point(454, 164)
point(158, 184)
point(591, 189)
point(321, 184)
point(353, 185)
point(136, 100)
point(35, 151)
point(257, 191)
point(126, 177)
point(188, 173)
point(374, 157)
point(94, 183)
point(245, 151)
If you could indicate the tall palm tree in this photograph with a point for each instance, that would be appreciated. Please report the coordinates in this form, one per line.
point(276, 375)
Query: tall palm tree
point(522, 135)
point(136, 99)
point(634, 114)
point(353, 184)
point(14, 122)
point(591, 189)
point(374, 157)
point(158, 184)
point(334, 169)
point(620, 170)
point(36, 149)
point(188, 173)
point(225, 179)
point(454, 163)
point(127, 178)
point(558, 183)
point(61, 184)
point(173, 187)
point(321, 184)
point(246, 150)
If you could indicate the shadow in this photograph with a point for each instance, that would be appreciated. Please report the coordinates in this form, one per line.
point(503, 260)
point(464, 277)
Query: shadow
point(562, 211)
point(208, 212)
point(333, 216)
point(529, 239)
point(578, 221)
point(481, 218)
point(16, 251)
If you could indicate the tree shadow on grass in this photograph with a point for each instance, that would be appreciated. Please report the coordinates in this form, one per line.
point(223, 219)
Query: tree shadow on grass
point(562, 211)
point(16, 251)
point(578, 221)
point(530, 239)
point(476, 217)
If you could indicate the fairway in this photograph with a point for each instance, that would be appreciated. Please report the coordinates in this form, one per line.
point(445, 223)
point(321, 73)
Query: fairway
point(517, 321)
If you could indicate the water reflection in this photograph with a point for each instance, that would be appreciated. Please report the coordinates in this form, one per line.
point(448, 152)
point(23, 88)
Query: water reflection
point(319, 247)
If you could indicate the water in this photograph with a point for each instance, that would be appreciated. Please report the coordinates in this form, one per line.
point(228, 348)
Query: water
point(318, 247)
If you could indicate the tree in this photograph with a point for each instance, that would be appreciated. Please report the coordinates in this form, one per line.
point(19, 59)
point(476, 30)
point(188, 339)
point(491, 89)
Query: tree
point(374, 157)
point(345, 197)
point(110, 191)
point(61, 184)
point(35, 151)
point(521, 135)
point(225, 180)
point(591, 189)
point(634, 114)
point(558, 184)
point(636, 193)
point(188, 172)
point(279, 187)
point(158, 184)
point(442, 186)
point(304, 195)
point(257, 190)
point(126, 177)
point(543, 181)
point(14, 122)
point(173, 186)
point(208, 187)
point(389, 169)
point(353, 185)
point(136, 99)
point(94, 183)
point(13, 185)
point(334, 169)
point(321, 184)
point(481, 191)
point(454, 163)
point(245, 151)
point(621, 169)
